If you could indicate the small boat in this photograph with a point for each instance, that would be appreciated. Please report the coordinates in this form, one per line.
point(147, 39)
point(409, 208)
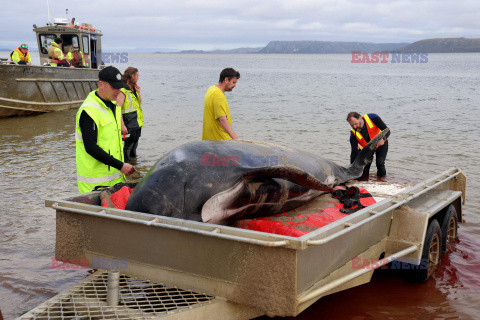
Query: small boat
point(29, 89)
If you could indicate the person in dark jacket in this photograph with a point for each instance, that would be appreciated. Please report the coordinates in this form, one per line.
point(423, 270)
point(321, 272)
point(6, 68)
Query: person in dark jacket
point(365, 128)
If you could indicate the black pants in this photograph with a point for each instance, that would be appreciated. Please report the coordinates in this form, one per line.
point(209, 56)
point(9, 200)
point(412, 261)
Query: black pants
point(131, 143)
point(380, 157)
point(135, 145)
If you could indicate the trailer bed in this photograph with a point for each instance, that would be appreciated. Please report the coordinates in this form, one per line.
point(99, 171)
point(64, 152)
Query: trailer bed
point(250, 273)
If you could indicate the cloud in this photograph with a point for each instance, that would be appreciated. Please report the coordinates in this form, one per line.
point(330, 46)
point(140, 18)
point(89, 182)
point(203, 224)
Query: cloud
point(199, 24)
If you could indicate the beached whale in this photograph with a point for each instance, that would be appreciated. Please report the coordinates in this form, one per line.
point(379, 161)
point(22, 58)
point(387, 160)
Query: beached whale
point(221, 181)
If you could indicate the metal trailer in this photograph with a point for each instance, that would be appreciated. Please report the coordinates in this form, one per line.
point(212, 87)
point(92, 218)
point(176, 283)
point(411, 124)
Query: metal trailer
point(179, 269)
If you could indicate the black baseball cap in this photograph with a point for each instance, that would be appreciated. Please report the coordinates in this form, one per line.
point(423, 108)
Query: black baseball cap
point(113, 77)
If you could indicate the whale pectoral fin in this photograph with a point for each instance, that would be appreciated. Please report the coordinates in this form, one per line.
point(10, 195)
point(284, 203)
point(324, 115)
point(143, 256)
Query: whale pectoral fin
point(296, 175)
point(219, 209)
point(216, 209)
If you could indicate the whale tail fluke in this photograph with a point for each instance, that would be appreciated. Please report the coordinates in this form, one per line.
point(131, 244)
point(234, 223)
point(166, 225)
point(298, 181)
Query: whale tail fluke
point(365, 156)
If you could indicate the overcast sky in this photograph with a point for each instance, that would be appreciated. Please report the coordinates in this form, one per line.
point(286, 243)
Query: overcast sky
point(215, 24)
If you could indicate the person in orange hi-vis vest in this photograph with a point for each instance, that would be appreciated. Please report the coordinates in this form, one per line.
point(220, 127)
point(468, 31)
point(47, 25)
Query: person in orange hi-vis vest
point(364, 128)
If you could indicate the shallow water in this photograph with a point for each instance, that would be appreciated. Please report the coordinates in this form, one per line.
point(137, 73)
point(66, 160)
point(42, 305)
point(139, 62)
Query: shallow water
point(295, 100)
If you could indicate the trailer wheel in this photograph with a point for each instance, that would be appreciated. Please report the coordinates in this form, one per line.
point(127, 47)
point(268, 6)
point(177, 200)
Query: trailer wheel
point(449, 227)
point(430, 255)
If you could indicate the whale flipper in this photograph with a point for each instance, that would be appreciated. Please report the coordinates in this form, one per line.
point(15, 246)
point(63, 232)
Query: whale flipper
point(221, 208)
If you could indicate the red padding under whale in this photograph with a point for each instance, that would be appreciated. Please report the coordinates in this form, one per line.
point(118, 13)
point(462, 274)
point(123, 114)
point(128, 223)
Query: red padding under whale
point(116, 196)
point(296, 223)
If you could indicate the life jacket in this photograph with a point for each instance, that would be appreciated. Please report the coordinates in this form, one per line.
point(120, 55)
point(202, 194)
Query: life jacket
point(132, 104)
point(76, 58)
point(55, 54)
point(372, 129)
point(23, 57)
point(92, 173)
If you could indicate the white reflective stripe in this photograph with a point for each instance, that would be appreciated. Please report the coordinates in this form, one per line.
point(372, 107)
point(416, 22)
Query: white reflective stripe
point(96, 106)
point(129, 110)
point(99, 179)
point(129, 98)
point(132, 108)
point(78, 136)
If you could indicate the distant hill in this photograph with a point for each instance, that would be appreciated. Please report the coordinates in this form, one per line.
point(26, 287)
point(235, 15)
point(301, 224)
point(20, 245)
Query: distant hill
point(442, 45)
point(328, 47)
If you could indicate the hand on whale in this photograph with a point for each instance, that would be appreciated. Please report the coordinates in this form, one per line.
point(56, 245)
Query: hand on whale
point(221, 181)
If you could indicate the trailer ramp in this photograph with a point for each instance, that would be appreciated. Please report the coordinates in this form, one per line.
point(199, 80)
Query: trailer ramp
point(137, 299)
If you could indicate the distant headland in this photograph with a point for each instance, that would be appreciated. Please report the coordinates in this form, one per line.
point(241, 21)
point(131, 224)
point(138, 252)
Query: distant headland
point(438, 45)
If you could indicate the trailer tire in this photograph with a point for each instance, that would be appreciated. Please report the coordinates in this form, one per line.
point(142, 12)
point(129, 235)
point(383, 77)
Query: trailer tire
point(449, 227)
point(430, 254)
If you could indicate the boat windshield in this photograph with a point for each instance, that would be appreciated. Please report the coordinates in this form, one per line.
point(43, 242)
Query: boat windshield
point(69, 40)
point(46, 41)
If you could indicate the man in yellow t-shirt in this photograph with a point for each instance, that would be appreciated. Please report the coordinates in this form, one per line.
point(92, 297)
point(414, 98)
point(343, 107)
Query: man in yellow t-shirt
point(217, 121)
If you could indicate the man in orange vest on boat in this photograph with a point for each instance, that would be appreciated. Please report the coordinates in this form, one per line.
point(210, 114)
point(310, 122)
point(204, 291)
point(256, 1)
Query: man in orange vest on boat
point(21, 55)
point(75, 57)
point(55, 53)
point(365, 128)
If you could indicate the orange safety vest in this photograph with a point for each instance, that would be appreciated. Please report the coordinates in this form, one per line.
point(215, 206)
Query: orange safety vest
point(372, 129)
point(77, 60)
point(23, 57)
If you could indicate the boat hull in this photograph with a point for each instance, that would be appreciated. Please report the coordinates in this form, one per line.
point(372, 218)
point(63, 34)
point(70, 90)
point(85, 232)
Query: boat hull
point(26, 90)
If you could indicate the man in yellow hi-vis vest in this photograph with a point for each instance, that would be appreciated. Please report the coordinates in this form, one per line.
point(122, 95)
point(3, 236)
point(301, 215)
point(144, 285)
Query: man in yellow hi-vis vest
point(21, 55)
point(364, 128)
point(99, 149)
point(55, 53)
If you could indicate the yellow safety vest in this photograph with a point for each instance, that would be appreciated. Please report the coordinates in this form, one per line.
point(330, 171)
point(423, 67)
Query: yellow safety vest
point(55, 54)
point(131, 104)
point(91, 172)
point(17, 56)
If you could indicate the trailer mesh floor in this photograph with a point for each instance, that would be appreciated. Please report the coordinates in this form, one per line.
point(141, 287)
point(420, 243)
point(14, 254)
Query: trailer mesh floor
point(138, 299)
